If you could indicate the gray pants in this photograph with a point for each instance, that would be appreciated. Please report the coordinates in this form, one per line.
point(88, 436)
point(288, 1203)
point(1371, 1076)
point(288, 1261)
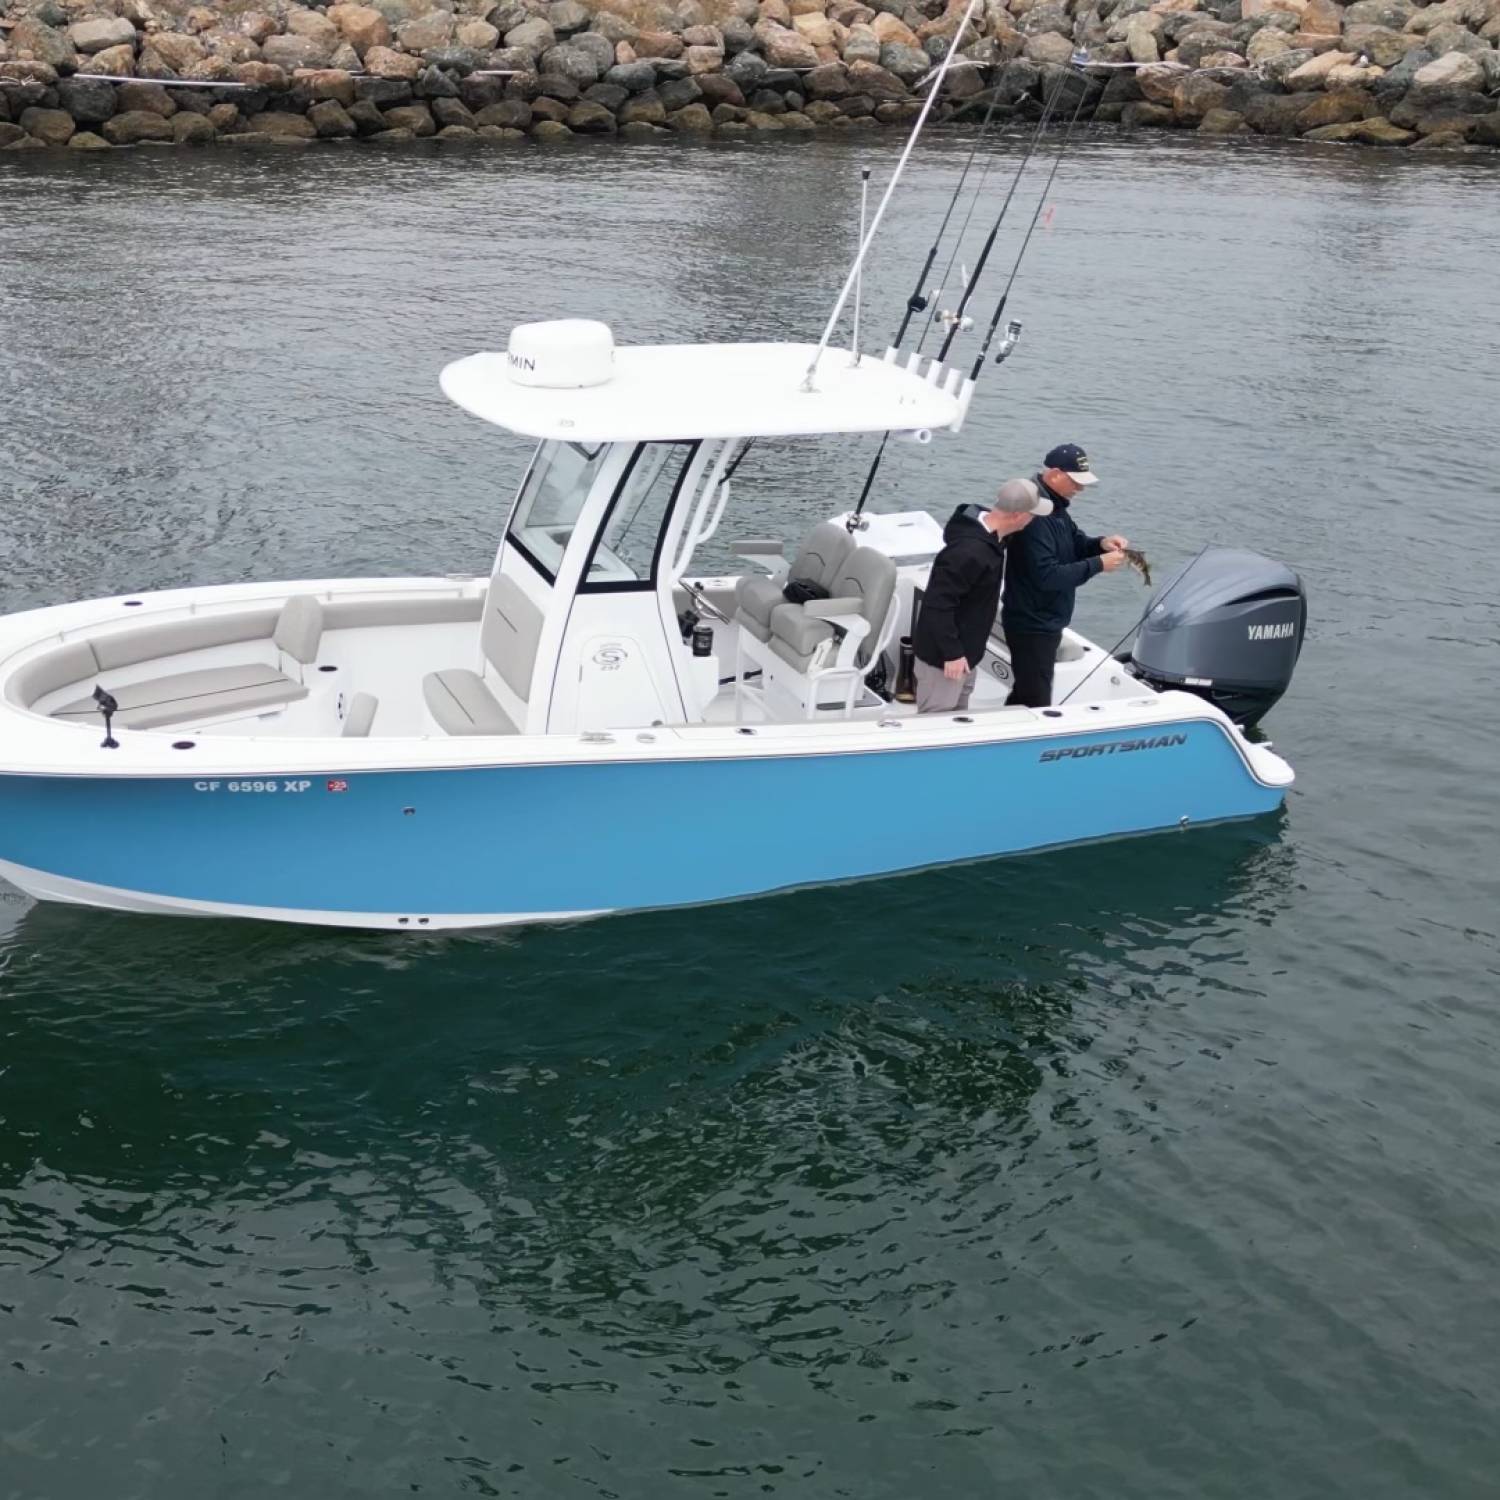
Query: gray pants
point(937, 695)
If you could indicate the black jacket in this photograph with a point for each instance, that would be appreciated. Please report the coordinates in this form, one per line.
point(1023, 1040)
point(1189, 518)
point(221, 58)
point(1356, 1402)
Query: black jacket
point(1049, 558)
point(963, 591)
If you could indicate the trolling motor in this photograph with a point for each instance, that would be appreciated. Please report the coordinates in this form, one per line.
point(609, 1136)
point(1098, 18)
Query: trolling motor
point(109, 707)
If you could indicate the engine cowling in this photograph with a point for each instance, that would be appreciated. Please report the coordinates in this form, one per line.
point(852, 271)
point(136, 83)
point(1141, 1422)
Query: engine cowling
point(1229, 626)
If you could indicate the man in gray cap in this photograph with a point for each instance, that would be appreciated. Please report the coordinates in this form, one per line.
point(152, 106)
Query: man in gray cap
point(963, 594)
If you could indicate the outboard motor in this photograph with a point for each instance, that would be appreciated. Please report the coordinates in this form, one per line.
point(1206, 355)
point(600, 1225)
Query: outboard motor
point(1228, 626)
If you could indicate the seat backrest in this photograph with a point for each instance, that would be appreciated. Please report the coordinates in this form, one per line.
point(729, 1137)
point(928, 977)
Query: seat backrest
point(869, 576)
point(299, 628)
point(823, 552)
point(511, 631)
point(359, 716)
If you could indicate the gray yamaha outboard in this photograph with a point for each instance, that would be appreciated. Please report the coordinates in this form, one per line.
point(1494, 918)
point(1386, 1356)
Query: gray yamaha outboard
point(1228, 626)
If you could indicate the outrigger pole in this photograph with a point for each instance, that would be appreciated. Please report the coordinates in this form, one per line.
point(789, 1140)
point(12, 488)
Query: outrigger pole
point(890, 188)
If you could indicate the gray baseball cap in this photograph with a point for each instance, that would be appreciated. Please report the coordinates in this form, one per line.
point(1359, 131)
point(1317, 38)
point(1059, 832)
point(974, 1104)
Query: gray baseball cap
point(1021, 495)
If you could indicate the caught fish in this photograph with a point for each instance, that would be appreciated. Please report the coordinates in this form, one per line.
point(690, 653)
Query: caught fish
point(1137, 560)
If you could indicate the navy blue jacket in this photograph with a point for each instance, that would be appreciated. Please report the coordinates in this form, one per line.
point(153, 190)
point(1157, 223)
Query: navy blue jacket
point(1047, 561)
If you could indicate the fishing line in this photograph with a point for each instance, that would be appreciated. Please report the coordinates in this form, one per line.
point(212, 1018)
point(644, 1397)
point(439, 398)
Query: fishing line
point(1015, 182)
point(1057, 161)
point(1151, 604)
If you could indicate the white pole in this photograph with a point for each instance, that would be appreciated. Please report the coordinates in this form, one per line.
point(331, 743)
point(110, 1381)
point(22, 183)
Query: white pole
point(859, 285)
point(890, 187)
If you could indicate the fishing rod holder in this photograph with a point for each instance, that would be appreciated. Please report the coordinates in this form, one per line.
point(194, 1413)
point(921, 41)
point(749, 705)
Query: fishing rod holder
point(108, 708)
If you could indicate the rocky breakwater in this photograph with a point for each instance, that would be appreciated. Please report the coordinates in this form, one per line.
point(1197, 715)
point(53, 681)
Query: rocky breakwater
point(98, 74)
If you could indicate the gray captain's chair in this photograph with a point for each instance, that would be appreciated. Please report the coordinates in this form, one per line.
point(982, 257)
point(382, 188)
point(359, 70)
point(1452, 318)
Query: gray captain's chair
point(823, 552)
point(862, 588)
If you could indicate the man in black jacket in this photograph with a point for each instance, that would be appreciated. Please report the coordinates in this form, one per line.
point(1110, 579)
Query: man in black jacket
point(1048, 562)
point(963, 593)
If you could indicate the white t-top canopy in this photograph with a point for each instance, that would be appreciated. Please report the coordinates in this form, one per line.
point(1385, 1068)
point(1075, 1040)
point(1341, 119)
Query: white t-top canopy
point(663, 391)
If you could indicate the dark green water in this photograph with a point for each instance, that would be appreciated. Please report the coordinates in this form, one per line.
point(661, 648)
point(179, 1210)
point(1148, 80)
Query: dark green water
point(1164, 1168)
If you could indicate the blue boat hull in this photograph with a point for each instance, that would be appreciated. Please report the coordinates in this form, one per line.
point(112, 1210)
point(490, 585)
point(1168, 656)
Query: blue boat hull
point(518, 843)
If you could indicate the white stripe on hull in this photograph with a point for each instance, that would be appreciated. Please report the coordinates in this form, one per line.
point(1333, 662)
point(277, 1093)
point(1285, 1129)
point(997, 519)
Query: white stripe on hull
point(45, 887)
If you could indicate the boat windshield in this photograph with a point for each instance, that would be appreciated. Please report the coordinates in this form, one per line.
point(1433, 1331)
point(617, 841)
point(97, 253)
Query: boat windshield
point(553, 496)
point(626, 552)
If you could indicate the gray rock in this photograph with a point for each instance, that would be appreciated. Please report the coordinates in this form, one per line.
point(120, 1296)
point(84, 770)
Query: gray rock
point(433, 83)
point(331, 120)
point(717, 89)
point(508, 16)
point(366, 117)
point(551, 130)
point(614, 28)
point(1392, 13)
point(643, 109)
point(291, 52)
point(831, 81)
point(1019, 78)
point(459, 60)
point(435, 29)
point(746, 69)
point(767, 102)
point(669, 69)
point(382, 92)
point(610, 95)
point(136, 125)
point(568, 16)
point(53, 127)
point(10, 134)
point(603, 52)
point(149, 96)
point(907, 63)
point(89, 103)
point(479, 93)
point(1398, 79)
point(449, 112)
point(536, 35)
point(97, 36)
point(935, 48)
point(416, 118)
point(634, 78)
point(586, 118)
point(679, 95)
point(32, 39)
point(555, 86)
point(508, 114)
point(738, 36)
point(568, 61)
point(512, 60)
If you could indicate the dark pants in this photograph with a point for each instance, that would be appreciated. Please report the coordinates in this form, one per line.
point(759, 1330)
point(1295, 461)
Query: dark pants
point(1032, 658)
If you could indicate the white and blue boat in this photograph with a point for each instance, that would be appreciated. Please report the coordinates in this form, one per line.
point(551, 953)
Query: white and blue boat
point(597, 726)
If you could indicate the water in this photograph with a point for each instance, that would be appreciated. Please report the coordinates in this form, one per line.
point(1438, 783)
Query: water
point(1163, 1168)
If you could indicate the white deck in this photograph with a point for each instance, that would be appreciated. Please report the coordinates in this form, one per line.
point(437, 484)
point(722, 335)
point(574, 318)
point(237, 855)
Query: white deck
point(666, 391)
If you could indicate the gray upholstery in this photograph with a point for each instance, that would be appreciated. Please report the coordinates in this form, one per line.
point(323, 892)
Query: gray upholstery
point(355, 614)
point(866, 576)
point(299, 628)
point(462, 704)
point(512, 627)
point(359, 716)
point(67, 664)
point(795, 634)
point(197, 633)
point(755, 596)
point(818, 561)
point(212, 693)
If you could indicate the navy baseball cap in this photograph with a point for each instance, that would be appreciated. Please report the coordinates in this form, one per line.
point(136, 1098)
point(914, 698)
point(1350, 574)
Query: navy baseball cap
point(1073, 461)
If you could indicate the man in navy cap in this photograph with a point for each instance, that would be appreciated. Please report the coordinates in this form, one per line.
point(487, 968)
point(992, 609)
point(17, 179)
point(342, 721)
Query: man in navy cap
point(1048, 560)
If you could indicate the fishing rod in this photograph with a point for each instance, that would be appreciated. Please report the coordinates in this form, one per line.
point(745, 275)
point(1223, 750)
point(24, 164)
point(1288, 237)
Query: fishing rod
point(1014, 331)
point(917, 302)
point(956, 318)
